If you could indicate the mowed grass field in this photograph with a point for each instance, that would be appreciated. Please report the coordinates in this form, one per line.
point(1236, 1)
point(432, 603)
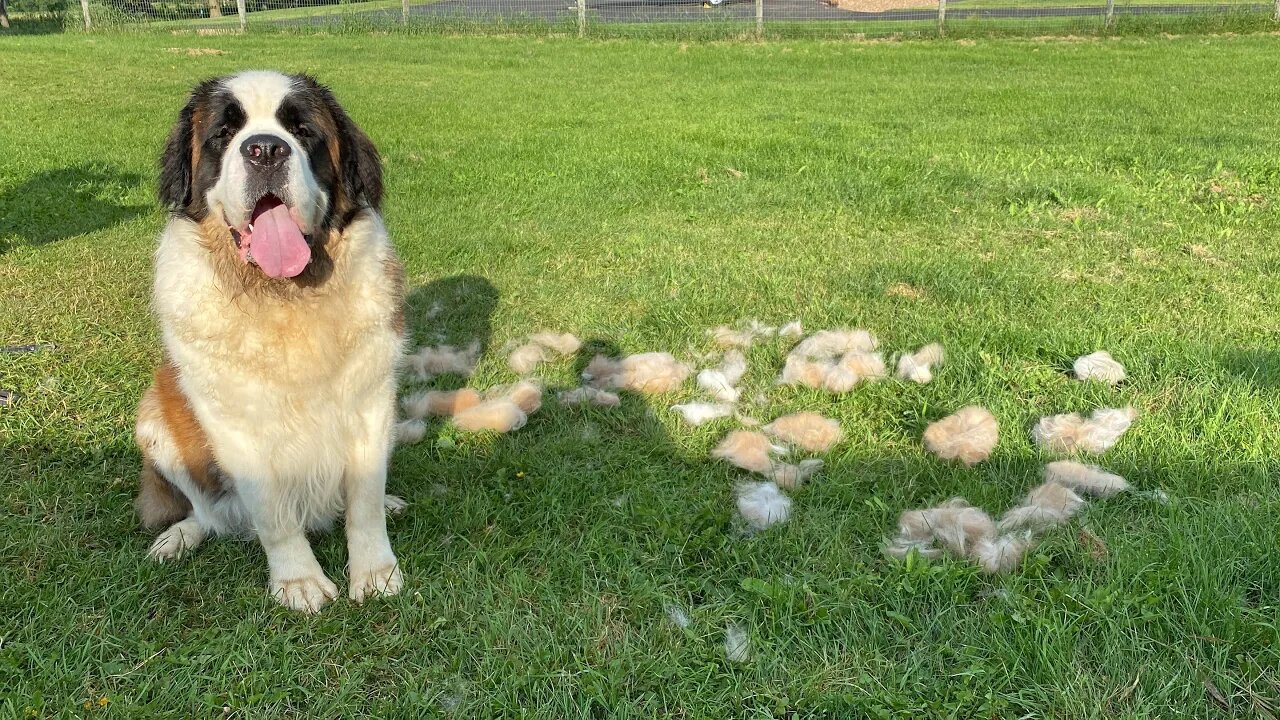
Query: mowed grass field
point(1022, 202)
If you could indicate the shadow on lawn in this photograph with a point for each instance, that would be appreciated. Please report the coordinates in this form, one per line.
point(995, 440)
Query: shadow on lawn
point(1258, 366)
point(59, 204)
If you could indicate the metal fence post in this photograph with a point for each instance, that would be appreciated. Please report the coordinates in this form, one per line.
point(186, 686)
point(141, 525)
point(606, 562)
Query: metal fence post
point(84, 8)
point(1111, 13)
point(760, 19)
point(582, 18)
point(404, 11)
point(942, 17)
point(1277, 15)
point(241, 12)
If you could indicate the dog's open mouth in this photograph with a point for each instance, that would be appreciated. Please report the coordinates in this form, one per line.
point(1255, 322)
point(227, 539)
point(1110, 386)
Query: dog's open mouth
point(272, 239)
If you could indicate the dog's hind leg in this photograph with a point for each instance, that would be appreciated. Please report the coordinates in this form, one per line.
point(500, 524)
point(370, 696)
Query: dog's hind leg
point(177, 468)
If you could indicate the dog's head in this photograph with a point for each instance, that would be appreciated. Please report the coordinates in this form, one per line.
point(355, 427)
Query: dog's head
point(276, 160)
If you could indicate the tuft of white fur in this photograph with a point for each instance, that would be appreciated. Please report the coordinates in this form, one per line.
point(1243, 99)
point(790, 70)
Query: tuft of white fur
point(918, 366)
point(526, 358)
point(1003, 553)
point(562, 343)
point(968, 435)
point(652, 372)
point(587, 395)
point(806, 430)
point(792, 329)
point(699, 413)
point(762, 504)
point(499, 415)
point(720, 382)
point(1046, 506)
point(429, 362)
point(1071, 433)
point(410, 431)
point(789, 476)
point(737, 644)
point(831, 344)
point(1088, 479)
point(677, 615)
point(1099, 366)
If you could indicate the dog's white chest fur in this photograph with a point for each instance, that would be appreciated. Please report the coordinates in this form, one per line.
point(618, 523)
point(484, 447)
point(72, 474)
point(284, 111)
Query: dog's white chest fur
point(285, 388)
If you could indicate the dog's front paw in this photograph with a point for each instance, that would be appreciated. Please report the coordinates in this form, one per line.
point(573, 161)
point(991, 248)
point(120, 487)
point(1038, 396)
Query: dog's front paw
point(307, 594)
point(178, 540)
point(384, 580)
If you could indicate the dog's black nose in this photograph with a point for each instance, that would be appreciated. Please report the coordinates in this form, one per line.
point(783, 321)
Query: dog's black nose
point(264, 150)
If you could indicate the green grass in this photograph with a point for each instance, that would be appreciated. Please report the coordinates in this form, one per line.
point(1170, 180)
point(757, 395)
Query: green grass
point(1043, 199)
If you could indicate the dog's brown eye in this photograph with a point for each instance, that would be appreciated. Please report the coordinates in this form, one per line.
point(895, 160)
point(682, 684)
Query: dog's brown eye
point(302, 131)
point(224, 133)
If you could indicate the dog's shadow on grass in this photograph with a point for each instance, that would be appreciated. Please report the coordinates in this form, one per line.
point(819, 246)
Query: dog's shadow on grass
point(58, 204)
point(1256, 366)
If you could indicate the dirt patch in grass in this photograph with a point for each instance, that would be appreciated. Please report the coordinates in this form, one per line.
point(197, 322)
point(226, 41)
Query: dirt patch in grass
point(196, 52)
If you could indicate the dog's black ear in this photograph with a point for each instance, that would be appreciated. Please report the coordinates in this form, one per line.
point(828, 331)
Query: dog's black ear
point(174, 190)
point(361, 164)
point(361, 169)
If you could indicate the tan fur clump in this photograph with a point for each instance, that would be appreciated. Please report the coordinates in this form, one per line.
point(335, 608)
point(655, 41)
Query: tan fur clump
point(429, 362)
point(587, 395)
point(500, 415)
point(963, 530)
point(788, 476)
point(803, 371)
point(526, 394)
point(526, 358)
point(1099, 366)
point(751, 450)
point(806, 430)
point(833, 360)
point(439, 403)
point(650, 373)
point(540, 348)
point(969, 435)
point(918, 366)
point(1072, 433)
point(1046, 506)
point(832, 344)
point(955, 523)
point(865, 365)
point(726, 337)
point(1088, 479)
point(746, 449)
point(562, 343)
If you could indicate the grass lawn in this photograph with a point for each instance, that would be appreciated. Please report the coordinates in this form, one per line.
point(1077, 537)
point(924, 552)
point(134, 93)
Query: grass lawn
point(1022, 202)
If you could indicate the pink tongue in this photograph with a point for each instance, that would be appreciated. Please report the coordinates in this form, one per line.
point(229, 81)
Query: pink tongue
point(277, 243)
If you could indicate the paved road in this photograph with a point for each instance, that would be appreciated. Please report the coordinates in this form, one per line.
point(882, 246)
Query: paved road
point(564, 11)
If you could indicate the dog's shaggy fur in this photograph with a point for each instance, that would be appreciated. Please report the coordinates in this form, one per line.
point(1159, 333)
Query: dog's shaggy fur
point(273, 411)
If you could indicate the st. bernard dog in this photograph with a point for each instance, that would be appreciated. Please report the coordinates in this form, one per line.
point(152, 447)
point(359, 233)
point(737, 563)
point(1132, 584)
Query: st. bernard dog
point(280, 302)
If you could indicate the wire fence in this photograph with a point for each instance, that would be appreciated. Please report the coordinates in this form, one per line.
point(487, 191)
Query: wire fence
point(684, 17)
